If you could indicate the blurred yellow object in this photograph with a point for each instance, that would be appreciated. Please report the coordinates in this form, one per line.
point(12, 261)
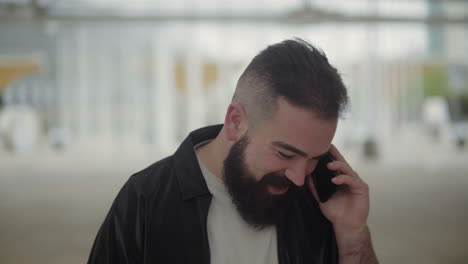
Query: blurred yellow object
point(209, 76)
point(12, 72)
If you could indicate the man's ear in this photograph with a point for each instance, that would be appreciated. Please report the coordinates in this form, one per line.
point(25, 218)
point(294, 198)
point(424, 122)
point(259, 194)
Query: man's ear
point(235, 122)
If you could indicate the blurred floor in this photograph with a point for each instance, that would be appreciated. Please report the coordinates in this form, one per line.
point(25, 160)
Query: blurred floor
point(51, 205)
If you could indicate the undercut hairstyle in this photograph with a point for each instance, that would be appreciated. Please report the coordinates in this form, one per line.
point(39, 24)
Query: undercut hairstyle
point(296, 71)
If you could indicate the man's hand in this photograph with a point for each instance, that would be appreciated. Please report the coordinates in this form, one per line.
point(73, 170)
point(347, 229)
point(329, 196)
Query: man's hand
point(348, 210)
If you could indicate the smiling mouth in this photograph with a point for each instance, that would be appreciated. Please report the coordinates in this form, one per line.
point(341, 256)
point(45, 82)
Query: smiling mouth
point(277, 190)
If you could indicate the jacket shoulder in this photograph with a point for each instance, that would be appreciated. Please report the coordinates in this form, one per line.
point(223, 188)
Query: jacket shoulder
point(148, 181)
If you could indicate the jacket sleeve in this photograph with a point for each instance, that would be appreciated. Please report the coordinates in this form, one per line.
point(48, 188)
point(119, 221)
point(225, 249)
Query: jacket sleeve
point(120, 238)
point(319, 231)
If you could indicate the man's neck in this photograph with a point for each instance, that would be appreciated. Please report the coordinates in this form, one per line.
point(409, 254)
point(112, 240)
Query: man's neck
point(212, 156)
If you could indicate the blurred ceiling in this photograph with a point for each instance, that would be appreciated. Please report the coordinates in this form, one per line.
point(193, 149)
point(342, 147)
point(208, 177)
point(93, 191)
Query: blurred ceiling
point(272, 11)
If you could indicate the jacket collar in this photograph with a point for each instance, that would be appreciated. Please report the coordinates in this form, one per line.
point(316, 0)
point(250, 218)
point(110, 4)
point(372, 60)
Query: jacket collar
point(187, 170)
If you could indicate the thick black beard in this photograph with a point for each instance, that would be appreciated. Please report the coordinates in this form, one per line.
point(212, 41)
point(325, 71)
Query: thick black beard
point(256, 205)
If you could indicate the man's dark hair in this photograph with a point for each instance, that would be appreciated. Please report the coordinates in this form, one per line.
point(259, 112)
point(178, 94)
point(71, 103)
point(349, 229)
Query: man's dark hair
point(296, 71)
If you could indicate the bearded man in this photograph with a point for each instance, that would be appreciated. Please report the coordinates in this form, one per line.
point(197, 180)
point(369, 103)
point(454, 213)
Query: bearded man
point(242, 192)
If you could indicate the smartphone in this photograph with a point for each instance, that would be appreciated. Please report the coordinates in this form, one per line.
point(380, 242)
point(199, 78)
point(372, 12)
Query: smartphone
point(322, 176)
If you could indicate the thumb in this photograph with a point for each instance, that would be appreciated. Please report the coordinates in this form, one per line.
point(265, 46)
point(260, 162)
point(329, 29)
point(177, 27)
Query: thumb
point(310, 184)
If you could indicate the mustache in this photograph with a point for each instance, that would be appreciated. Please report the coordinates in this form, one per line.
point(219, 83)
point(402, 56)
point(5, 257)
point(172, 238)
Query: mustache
point(277, 180)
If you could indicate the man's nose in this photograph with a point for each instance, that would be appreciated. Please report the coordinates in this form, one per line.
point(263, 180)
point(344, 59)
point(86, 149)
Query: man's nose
point(297, 172)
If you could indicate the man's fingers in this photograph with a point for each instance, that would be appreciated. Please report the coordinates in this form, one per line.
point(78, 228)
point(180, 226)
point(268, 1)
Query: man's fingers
point(342, 167)
point(354, 183)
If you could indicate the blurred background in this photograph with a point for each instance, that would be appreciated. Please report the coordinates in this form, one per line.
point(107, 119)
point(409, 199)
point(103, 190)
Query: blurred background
point(92, 91)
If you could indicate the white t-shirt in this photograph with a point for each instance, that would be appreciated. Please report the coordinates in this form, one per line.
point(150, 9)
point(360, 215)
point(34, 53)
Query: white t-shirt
point(231, 239)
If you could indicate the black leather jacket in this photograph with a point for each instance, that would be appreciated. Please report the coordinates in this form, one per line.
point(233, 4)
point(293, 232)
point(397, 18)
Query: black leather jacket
point(160, 216)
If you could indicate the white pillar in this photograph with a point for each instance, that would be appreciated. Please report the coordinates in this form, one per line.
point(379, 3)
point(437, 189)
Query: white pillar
point(126, 74)
point(105, 85)
point(83, 83)
point(194, 98)
point(163, 103)
point(63, 80)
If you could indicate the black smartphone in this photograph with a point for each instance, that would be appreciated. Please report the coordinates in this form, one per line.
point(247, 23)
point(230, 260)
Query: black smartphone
point(322, 176)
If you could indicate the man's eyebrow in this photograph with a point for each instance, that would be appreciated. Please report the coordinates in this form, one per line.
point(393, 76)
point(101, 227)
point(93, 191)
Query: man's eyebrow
point(295, 150)
point(320, 156)
point(289, 147)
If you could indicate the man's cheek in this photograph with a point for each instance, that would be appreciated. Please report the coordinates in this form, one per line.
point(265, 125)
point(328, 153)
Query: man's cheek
point(254, 168)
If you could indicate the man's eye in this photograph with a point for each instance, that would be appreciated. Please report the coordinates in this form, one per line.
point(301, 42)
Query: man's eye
point(285, 156)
